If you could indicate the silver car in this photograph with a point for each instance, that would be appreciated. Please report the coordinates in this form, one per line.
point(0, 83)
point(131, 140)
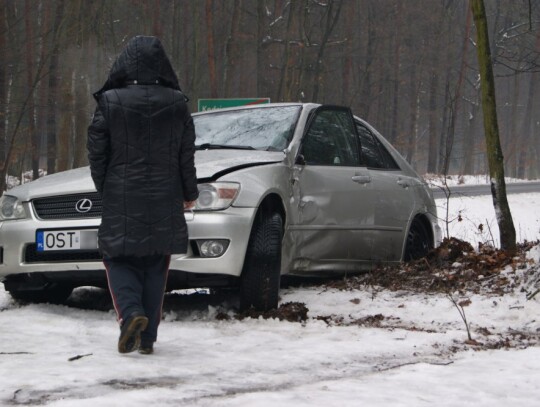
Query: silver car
point(297, 189)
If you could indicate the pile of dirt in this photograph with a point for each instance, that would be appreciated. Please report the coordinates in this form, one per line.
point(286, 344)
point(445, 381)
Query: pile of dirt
point(454, 265)
point(289, 311)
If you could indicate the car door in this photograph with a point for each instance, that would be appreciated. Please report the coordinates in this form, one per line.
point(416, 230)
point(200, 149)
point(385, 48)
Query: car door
point(332, 194)
point(393, 194)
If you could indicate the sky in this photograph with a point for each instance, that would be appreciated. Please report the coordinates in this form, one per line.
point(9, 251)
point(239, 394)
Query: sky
point(366, 346)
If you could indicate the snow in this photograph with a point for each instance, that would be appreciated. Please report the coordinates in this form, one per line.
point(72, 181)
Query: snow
point(416, 354)
point(479, 224)
point(453, 180)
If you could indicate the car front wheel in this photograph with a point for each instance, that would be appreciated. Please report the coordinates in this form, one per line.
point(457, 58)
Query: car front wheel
point(259, 285)
point(418, 241)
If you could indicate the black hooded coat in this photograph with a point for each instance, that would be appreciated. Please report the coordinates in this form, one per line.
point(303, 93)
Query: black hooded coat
point(141, 146)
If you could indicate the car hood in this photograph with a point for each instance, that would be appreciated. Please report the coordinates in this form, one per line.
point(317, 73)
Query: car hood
point(62, 183)
point(211, 164)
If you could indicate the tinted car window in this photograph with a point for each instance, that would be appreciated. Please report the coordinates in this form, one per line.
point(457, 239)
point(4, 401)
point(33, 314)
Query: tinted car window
point(374, 154)
point(331, 140)
point(263, 128)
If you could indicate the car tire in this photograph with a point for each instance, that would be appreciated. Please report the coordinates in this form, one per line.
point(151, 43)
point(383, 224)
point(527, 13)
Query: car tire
point(419, 241)
point(57, 294)
point(260, 279)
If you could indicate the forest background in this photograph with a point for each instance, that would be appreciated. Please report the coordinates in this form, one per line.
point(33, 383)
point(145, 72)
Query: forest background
point(408, 67)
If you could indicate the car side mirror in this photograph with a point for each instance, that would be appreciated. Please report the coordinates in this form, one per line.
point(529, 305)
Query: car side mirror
point(300, 160)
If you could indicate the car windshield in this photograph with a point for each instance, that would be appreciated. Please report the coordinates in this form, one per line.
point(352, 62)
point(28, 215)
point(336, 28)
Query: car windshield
point(266, 128)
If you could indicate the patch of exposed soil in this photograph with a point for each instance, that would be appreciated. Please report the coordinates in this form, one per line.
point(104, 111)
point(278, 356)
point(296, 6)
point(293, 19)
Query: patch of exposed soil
point(289, 311)
point(455, 265)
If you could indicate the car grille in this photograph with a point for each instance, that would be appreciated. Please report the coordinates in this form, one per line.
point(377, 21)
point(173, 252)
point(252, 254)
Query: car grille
point(64, 207)
point(31, 255)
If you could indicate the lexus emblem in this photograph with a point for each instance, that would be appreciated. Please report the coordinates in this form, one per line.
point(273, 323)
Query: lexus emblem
point(83, 205)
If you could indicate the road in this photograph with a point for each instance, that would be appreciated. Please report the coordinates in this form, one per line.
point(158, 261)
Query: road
point(484, 189)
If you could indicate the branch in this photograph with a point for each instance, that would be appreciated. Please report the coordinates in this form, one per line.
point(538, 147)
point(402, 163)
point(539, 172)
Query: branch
point(461, 311)
point(384, 369)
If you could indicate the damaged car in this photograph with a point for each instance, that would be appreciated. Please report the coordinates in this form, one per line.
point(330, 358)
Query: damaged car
point(285, 189)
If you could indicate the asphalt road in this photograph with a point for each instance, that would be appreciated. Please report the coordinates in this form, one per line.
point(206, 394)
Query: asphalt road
point(476, 190)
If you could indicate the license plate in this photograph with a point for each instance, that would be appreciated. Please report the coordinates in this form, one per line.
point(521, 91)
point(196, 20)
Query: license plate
point(67, 239)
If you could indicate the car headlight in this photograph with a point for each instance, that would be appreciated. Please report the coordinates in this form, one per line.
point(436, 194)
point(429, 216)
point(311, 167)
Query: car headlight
point(11, 208)
point(217, 195)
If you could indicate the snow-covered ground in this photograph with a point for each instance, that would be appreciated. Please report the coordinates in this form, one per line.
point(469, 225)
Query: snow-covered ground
point(368, 347)
point(453, 180)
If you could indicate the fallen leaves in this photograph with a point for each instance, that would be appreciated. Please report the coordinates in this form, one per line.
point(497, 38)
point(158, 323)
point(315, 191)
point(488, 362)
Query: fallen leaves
point(453, 266)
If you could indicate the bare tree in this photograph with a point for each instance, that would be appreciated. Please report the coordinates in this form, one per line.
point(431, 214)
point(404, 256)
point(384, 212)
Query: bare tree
point(329, 24)
point(232, 51)
point(211, 51)
point(396, 88)
point(3, 132)
point(432, 140)
point(157, 27)
point(30, 79)
point(491, 128)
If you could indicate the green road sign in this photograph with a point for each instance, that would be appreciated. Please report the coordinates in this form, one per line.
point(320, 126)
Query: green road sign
point(213, 104)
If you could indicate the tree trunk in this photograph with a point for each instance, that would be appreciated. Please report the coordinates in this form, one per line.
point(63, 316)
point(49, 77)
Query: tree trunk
point(433, 121)
point(3, 73)
point(65, 125)
point(447, 110)
point(413, 111)
point(176, 38)
point(211, 51)
point(457, 98)
point(156, 23)
point(514, 139)
point(347, 67)
point(43, 89)
point(29, 80)
point(491, 128)
point(299, 77)
point(397, 53)
point(269, 50)
point(365, 102)
point(287, 59)
point(53, 90)
point(331, 20)
point(232, 52)
point(526, 155)
point(81, 87)
point(470, 136)
point(82, 90)
point(184, 67)
point(262, 76)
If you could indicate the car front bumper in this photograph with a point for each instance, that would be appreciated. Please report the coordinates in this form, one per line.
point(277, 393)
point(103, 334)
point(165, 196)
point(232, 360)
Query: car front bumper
point(232, 224)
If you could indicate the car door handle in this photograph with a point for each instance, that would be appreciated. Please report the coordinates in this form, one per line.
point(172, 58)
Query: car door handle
point(403, 183)
point(361, 179)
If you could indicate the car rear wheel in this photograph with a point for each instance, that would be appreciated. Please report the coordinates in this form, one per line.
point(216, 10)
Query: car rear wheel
point(56, 294)
point(418, 241)
point(259, 285)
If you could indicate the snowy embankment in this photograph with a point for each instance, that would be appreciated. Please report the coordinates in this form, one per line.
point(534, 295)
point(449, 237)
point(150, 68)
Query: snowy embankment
point(358, 346)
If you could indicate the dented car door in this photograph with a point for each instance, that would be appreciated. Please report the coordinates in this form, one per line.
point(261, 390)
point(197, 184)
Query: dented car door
point(333, 196)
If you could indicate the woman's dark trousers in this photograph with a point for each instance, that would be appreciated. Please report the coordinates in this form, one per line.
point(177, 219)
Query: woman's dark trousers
point(137, 285)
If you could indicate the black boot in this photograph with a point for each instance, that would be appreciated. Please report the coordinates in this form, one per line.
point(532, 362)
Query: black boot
point(130, 332)
point(146, 347)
